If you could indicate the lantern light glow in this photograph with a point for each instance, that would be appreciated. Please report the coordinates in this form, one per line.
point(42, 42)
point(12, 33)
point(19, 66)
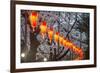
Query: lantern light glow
point(33, 17)
point(57, 38)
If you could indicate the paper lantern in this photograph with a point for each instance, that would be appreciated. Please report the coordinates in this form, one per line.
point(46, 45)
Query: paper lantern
point(33, 19)
point(60, 40)
point(56, 37)
point(43, 28)
point(69, 45)
point(50, 34)
point(64, 42)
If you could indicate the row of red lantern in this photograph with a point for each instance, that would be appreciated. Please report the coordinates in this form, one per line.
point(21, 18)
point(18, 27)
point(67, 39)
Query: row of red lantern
point(57, 38)
point(62, 41)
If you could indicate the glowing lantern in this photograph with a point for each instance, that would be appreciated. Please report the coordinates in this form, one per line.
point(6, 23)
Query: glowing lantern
point(64, 42)
point(50, 34)
point(61, 40)
point(56, 37)
point(69, 45)
point(78, 51)
point(43, 28)
point(33, 19)
point(74, 49)
point(81, 53)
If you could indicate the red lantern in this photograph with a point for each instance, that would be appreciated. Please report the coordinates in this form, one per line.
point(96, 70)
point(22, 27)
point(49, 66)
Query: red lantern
point(64, 42)
point(33, 19)
point(69, 45)
point(61, 40)
point(56, 37)
point(43, 28)
point(50, 34)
